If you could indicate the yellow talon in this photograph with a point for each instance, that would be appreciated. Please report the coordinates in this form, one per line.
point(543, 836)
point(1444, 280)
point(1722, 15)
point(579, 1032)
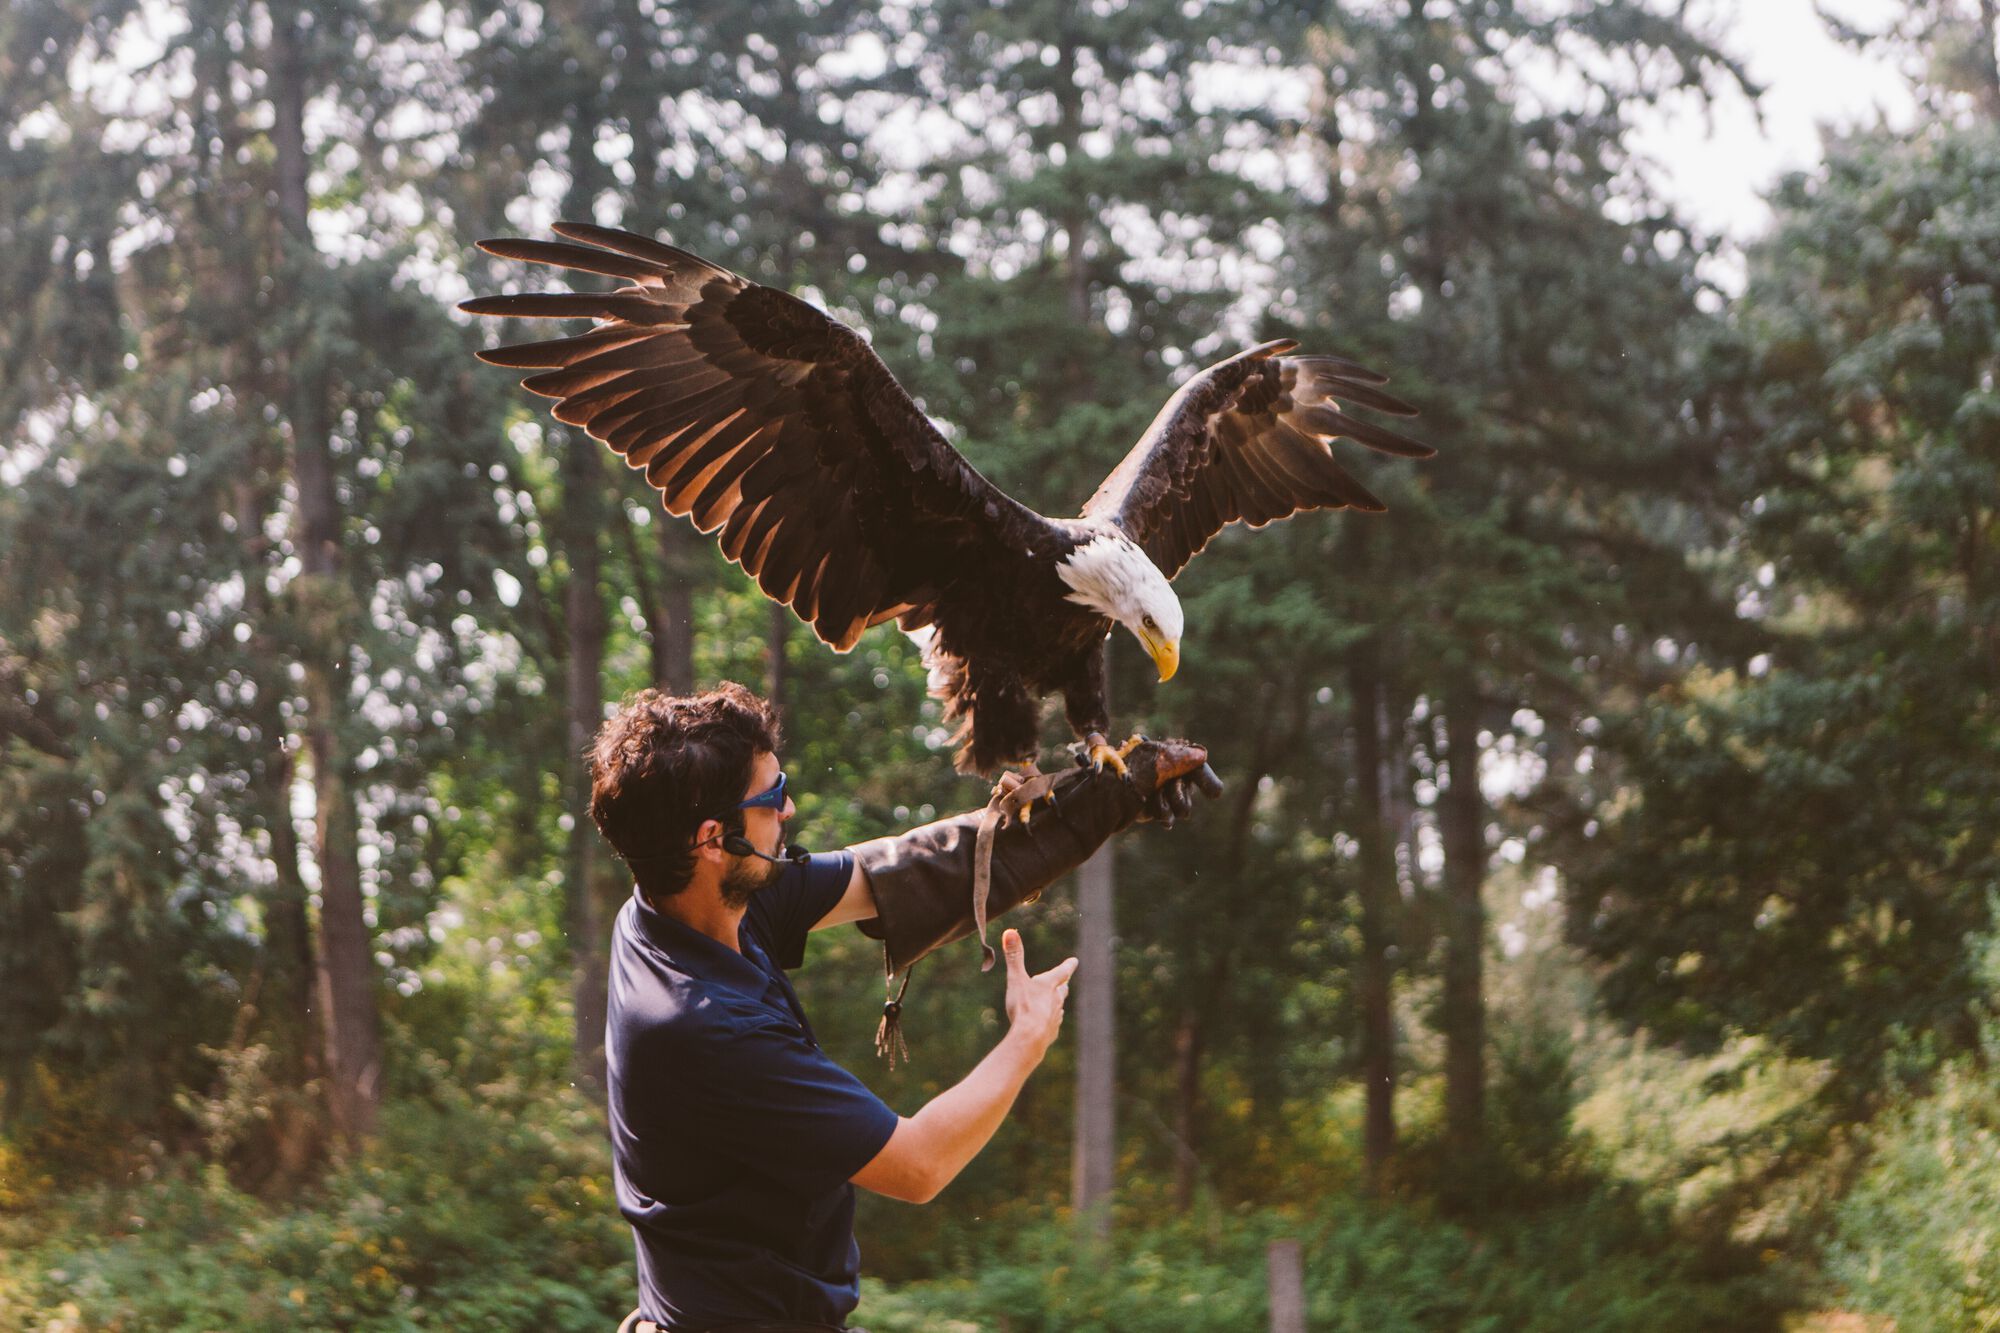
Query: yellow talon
point(1102, 756)
point(1013, 805)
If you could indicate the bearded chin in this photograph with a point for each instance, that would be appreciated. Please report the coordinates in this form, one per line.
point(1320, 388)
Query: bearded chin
point(744, 879)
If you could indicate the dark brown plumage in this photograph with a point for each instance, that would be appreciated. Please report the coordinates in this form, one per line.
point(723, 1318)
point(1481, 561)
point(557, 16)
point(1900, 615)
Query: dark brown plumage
point(779, 430)
point(1242, 441)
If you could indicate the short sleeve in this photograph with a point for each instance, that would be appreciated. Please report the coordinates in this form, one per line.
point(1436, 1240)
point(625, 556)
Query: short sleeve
point(774, 1102)
point(785, 913)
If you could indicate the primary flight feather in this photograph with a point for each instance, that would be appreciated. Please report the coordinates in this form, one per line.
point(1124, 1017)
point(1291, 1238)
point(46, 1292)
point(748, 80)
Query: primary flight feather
point(777, 428)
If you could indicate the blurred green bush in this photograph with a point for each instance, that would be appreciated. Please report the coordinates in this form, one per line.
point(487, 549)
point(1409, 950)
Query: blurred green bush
point(1917, 1236)
point(486, 1203)
point(477, 1208)
point(1597, 1264)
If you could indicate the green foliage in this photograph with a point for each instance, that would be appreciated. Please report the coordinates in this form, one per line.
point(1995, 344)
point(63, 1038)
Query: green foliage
point(1803, 850)
point(412, 1236)
point(1918, 1236)
point(1719, 1140)
point(491, 1206)
point(1593, 1264)
point(1779, 893)
point(477, 1207)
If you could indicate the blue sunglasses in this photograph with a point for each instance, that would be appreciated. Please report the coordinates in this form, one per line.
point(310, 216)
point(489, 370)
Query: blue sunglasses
point(771, 798)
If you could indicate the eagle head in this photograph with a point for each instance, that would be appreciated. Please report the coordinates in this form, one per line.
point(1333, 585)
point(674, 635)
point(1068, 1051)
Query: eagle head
point(1114, 578)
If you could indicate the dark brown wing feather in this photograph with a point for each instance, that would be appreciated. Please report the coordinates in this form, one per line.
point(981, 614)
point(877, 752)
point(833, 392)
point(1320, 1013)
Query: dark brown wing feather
point(1247, 439)
point(768, 424)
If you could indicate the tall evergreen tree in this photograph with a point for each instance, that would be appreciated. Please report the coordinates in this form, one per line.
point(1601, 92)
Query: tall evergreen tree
point(1478, 233)
point(1805, 850)
point(281, 418)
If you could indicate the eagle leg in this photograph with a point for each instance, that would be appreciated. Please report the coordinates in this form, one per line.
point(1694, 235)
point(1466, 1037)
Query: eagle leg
point(1012, 804)
point(1101, 755)
point(1088, 715)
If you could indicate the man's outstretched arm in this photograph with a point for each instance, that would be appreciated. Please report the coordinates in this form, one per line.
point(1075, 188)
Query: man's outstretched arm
point(914, 891)
point(856, 904)
point(930, 1148)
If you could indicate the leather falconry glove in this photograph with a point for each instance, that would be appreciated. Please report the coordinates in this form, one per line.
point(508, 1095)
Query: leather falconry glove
point(939, 883)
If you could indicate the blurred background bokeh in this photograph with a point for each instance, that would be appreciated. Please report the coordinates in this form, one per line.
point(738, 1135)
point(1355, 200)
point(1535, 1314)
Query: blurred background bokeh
point(1598, 931)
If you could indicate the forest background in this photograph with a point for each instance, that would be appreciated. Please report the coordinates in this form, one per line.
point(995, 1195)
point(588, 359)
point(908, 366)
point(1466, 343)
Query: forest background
point(1598, 930)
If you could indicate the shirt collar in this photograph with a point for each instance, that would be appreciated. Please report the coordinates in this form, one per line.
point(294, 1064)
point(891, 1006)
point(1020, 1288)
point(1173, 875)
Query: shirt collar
point(701, 956)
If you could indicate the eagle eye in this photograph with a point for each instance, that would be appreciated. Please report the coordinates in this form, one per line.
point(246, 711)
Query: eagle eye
point(1150, 624)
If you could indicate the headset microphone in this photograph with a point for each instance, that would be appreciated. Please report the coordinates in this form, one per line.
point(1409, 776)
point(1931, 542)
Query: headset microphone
point(738, 845)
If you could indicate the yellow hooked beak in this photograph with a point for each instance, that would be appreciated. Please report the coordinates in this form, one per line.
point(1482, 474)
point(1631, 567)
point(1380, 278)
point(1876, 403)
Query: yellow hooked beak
point(1165, 652)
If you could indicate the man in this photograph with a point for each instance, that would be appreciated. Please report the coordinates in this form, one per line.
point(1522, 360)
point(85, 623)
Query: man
point(736, 1141)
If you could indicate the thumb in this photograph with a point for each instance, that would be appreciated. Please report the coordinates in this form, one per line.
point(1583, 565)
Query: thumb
point(1010, 945)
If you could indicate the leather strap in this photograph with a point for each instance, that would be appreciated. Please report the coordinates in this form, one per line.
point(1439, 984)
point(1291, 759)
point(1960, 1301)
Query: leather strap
point(1006, 807)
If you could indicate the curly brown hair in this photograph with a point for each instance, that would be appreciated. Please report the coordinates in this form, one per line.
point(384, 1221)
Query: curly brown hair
point(662, 764)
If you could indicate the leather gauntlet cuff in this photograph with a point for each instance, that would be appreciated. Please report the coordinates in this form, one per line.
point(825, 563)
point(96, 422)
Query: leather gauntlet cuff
point(924, 880)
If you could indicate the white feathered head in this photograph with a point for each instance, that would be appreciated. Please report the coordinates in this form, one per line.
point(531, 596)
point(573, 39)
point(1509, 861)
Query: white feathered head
point(1113, 577)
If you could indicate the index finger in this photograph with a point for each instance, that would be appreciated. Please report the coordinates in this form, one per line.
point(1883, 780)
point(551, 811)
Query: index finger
point(1060, 973)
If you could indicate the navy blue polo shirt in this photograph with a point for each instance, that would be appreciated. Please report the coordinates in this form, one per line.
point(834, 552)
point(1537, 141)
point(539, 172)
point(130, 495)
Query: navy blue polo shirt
point(733, 1135)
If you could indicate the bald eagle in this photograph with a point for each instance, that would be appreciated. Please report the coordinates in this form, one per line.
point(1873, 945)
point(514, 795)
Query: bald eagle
point(777, 428)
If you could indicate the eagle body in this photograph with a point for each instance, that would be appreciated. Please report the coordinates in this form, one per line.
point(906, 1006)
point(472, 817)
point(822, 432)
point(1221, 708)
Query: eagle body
point(991, 661)
point(777, 430)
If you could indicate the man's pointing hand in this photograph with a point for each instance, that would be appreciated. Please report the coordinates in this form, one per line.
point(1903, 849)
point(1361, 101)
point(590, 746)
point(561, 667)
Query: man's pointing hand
point(1034, 1003)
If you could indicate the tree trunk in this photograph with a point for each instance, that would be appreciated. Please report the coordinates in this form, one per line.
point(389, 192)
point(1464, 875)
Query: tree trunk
point(289, 970)
point(583, 710)
point(1284, 1267)
point(286, 1021)
point(297, 1132)
point(649, 601)
point(1377, 897)
point(682, 559)
point(1187, 1107)
point(777, 632)
point(287, 934)
point(1094, 1149)
point(346, 964)
point(1204, 984)
point(587, 871)
point(227, 272)
point(1461, 819)
point(673, 630)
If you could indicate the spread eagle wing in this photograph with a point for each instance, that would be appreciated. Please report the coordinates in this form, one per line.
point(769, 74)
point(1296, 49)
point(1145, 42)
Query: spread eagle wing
point(1247, 439)
point(765, 422)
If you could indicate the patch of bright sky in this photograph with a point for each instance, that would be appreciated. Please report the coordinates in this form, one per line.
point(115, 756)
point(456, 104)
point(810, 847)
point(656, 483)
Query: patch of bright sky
point(1717, 163)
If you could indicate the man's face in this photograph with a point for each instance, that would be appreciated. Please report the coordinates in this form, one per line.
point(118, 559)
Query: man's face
point(766, 831)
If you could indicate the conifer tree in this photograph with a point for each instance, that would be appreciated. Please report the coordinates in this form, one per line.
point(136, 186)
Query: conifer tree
point(1805, 850)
